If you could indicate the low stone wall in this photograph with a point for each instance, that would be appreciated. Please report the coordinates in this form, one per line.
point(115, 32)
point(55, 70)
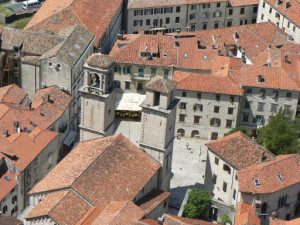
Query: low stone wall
point(11, 18)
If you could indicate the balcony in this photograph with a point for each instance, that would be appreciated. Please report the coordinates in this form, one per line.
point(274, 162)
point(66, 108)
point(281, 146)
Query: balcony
point(91, 90)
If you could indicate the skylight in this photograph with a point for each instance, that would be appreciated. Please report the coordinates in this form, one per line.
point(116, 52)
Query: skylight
point(257, 182)
point(279, 177)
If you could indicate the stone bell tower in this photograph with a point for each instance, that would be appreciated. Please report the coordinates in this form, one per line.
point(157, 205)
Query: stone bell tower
point(158, 124)
point(98, 98)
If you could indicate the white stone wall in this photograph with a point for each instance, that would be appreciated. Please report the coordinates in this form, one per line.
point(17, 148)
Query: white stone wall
point(192, 17)
point(272, 200)
point(268, 100)
point(290, 27)
point(222, 176)
point(30, 78)
point(208, 101)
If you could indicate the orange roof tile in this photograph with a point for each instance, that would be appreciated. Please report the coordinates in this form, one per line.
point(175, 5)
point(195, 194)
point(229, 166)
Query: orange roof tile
point(171, 219)
point(246, 215)
point(239, 150)
point(12, 94)
point(56, 15)
point(291, 12)
point(274, 78)
point(267, 173)
point(206, 83)
point(7, 183)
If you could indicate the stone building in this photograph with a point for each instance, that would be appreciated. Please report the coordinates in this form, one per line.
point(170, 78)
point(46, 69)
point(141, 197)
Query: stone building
point(36, 60)
point(283, 13)
point(272, 188)
point(227, 156)
point(101, 176)
point(33, 133)
point(209, 105)
point(101, 18)
point(168, 17)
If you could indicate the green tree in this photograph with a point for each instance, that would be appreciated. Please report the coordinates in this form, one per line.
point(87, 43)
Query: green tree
point(200, 200)
point(241, 129)
point(225, 220)
point(280, 135)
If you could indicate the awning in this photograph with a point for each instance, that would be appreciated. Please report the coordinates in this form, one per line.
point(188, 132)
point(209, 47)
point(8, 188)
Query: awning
point(70, 138)
point(129, 101)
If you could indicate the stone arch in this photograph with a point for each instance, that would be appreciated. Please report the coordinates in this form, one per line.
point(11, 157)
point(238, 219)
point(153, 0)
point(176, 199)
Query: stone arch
point(181, 132)
point(195, 134)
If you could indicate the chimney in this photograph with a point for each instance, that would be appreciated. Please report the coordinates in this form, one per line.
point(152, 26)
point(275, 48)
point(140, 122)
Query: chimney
point(286, 57)
point(5, 133)
point(287, 4)
point(17, 126)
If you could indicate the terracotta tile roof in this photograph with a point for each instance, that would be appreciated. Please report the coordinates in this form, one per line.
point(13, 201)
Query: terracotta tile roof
point(12, 94)
point(100, 60)
point(77, 41)
point(56, 15)
point(47, 204)
point(206, 83)
point(7, 183)
point(153, 200)
point(292, 12)
point(119, 213)
point(9, 220)
point(284, 222)
point(69, 209)
point(239, 151)
point(119, 161)
point(30, 42)
point(274, 78)
point(237, 3)
point(161, 85)
point(176, 220)
point(246, 215)
point(272, 176)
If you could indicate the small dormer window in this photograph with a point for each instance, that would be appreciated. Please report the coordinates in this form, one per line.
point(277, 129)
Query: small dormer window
point(260, 79)
point(280, 177)
point(257, 182)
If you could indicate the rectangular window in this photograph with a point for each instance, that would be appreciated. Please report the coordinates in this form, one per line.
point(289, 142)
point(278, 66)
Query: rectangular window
point(262, 93)
point(140, 86)
point(253, 20)
point(255, 9)
point(218, 97)
point(177, 19)
point(197, 119)
point(192, 16)
point(153, 72)
point(166, 74)
point(242, 11)
point(262, 17)
point(230, 12)
point(178, 9)
point(249, 91)
point(204, 26)
point(148, 22)
point(198, 107)
point(294, 28)
point(247, 104)
point(218, 4)
point(216, 161)
point(216, 109)
point(127, 85)
point(230, 110)
point(193, 7)
point(199, 96)
point(214, 179)
point(270, 10)
point(264, 4)
point(234, 194)
point(183, 94)
point(288, 95)
point(289, 24)
point(216, 25)
point(228, 123)
point(245, 118)
point(224, 186)
point(182, 105)
point(260, 106)
point(181, 118)
point(274, 108)
point(167, 20)
point(229, 23)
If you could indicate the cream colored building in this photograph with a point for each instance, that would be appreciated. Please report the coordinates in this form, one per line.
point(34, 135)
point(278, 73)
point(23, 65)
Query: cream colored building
point(283, 13)
point(271, 188)
point(156, 16)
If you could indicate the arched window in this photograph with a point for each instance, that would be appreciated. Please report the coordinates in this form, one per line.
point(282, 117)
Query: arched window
point(181, 132)
point(93, 80)
point(264, 207)
point(195, 134)
point(4, 209)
